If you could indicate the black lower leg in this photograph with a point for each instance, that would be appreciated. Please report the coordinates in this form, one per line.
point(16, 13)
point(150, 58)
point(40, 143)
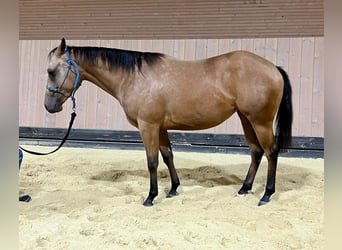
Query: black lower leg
point(271, 177)
point(253, 168)
point(168, 160)
point(152, 168)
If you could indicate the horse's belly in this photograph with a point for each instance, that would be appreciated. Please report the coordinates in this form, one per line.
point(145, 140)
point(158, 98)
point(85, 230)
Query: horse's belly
point(197, 120)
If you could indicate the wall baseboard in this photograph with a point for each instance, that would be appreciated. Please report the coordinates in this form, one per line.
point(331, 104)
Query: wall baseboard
point(307, 147)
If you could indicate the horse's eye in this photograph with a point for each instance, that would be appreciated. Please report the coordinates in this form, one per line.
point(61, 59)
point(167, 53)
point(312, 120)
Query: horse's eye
point(52, 74)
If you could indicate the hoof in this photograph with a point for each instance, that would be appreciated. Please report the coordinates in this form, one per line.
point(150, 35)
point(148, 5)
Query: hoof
point(240, 195)
point(243, 192)
point(171, 194)
point(25, 198)
point(261, 203)
point(148, 203)
point(264, 201)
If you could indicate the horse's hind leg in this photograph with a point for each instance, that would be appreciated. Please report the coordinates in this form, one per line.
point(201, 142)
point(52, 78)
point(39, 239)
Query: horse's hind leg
point(264, 132)
point(256, 154)
point(166, 151)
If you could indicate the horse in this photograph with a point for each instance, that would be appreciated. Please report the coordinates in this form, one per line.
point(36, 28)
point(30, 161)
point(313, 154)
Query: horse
point(159, 93)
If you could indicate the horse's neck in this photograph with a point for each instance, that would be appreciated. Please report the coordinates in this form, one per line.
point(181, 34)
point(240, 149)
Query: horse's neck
point(110, 81)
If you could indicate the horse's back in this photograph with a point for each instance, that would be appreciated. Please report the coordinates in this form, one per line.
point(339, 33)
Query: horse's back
point(245, 62)
point(202, 94)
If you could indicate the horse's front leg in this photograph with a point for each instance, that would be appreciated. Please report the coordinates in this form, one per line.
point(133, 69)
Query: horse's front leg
point(150, 136)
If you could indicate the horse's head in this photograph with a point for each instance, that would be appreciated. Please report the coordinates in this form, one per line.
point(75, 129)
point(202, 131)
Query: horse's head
point(63, 78)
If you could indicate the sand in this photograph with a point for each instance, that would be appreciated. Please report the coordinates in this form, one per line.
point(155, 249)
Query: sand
point(92, 199)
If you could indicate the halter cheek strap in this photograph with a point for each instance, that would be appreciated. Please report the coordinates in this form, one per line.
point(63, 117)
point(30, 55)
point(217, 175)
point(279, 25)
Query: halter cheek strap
point(76, 84)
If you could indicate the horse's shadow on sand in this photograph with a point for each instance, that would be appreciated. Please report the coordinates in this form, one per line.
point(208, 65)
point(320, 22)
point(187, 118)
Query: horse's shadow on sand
point(209, 176)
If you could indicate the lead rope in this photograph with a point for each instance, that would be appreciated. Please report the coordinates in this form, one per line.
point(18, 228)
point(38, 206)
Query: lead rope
point(73, 115)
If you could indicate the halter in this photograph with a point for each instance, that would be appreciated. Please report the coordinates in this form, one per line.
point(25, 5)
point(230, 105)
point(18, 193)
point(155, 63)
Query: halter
point(58, 89)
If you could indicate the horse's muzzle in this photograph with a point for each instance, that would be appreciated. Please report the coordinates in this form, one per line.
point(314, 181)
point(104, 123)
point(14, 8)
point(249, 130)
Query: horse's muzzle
point(53, 103)
point(53, 107)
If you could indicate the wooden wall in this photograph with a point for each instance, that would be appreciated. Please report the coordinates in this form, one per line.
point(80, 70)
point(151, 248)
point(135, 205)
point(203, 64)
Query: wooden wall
point(302, 58)
point(169, 19)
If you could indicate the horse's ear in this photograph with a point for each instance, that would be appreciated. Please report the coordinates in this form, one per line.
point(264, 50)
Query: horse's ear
point(61, 48)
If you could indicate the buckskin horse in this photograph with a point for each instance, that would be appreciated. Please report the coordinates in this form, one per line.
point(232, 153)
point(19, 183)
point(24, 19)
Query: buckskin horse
point(158, 92)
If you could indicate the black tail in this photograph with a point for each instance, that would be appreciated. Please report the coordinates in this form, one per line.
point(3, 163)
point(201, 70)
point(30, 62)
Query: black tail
point(285, 115)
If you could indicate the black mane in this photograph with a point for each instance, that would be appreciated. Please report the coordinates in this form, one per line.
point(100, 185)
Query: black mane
point(115, 58)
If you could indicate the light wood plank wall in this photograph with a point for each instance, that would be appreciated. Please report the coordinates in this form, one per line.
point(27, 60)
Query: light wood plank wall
point(302, 58)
